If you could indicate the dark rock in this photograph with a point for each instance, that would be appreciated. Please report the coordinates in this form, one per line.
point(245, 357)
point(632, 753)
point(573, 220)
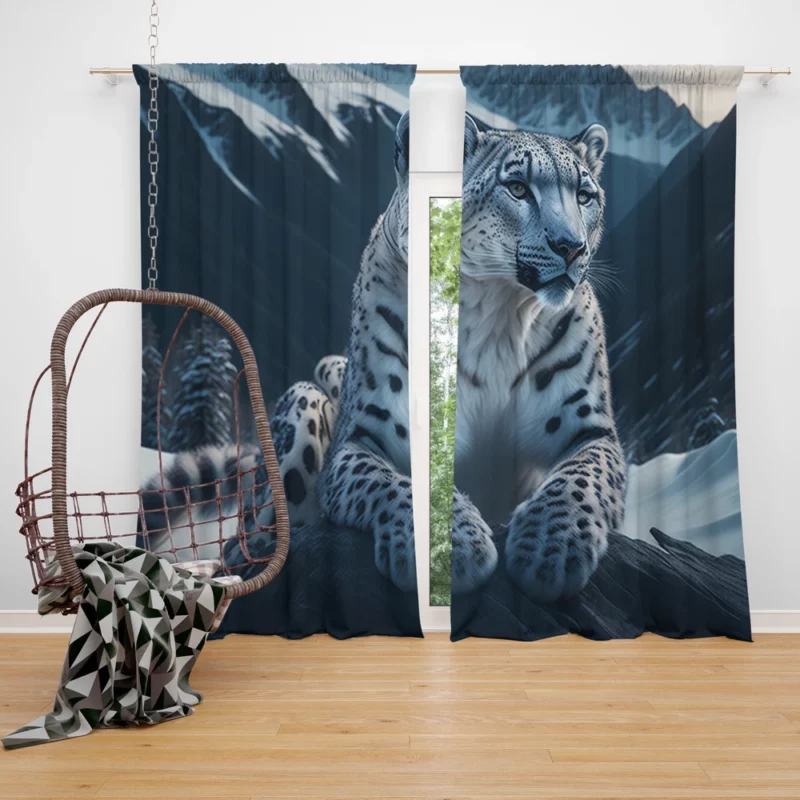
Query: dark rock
point(329, 584)
point(674, 589)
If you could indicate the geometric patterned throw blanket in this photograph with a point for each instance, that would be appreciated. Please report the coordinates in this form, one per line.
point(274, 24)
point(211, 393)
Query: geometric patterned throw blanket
point(140, 627)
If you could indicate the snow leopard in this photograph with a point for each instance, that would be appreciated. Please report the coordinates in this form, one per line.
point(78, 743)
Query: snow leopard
point(537, 448)
point(537, 451)
point(536, 444)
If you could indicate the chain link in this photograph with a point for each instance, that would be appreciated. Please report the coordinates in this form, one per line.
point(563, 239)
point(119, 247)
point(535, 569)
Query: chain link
point(152, 147)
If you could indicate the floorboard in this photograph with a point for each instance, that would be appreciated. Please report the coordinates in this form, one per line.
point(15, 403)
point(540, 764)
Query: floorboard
point(399, 718)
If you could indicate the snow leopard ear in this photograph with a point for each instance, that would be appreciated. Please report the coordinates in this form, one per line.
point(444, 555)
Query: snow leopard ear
point(401, 141)
point(472, 136)
point(591, 145)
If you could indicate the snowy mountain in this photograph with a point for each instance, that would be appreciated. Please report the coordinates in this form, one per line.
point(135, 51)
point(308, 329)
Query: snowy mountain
point(268, 108)
point(655, 133)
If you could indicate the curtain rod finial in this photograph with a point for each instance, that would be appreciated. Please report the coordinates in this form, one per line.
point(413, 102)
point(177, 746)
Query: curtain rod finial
point(768, 77)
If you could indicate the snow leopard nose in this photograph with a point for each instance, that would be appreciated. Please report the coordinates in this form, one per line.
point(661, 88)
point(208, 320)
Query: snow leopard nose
point(567, 248)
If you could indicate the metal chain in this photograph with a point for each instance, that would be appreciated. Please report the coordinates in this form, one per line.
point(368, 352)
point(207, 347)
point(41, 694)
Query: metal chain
point(152, 146)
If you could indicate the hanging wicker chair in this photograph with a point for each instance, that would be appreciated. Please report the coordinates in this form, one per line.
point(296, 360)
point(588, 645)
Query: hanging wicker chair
point(53, 520)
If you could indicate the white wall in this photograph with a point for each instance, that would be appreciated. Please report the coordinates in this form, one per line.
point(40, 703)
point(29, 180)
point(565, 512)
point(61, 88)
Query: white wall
point(69, 213)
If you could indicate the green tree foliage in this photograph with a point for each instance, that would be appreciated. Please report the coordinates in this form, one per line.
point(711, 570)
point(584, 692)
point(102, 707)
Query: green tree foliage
point(445, 252)
point(446, 249)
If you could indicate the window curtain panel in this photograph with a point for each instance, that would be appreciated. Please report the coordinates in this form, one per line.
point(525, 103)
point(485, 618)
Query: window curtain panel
point(596, 444)
point(283, 198)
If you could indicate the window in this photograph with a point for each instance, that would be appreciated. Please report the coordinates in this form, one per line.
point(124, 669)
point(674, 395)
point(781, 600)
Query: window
point(433, 273)
point(445, 253)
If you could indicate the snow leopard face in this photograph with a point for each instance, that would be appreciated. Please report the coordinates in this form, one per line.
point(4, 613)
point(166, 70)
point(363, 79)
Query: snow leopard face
point(532, 208)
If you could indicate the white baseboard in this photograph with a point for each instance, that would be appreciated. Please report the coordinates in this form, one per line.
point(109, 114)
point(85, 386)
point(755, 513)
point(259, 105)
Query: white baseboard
point(31, 622)
point(778, 621)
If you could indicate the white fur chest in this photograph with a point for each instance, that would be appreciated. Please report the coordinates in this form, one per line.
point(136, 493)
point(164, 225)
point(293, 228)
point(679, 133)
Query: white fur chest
point(513, 423)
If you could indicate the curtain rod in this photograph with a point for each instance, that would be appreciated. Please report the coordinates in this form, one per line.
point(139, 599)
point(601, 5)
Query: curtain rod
point(767, 73)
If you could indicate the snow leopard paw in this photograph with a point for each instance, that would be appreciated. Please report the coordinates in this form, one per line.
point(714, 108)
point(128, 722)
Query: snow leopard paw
point(395, 554)
point(474, 552)
point(359, 489)
point(329, 376)
point(302, 425)
point(552, 552)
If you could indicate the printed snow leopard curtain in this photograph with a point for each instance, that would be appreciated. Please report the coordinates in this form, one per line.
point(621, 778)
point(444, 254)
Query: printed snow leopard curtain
point(283, 198)
point(596, 485)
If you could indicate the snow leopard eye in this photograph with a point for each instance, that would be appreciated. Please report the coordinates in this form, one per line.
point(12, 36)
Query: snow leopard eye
point(584, 197)
point(517, 189)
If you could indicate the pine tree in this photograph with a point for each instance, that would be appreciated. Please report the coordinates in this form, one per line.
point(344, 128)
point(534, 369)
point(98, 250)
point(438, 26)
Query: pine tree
point(204, 377)
point(707, 424)
point(152, 361)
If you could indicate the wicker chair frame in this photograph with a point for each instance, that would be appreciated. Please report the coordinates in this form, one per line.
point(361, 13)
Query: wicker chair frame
point(38, 543)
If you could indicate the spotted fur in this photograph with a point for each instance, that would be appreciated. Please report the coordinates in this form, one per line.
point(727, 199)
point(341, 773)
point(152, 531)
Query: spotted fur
point(365, 483)
point(536, 444)
point(190, 479)
point(302, 425)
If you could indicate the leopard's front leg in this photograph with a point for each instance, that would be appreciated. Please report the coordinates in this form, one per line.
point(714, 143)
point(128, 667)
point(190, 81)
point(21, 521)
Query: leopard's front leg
point(474, 553)
point(361, 490)
point(558, 535)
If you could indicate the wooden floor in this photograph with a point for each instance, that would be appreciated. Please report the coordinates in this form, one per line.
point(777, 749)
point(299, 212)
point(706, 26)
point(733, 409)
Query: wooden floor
point(403, 718)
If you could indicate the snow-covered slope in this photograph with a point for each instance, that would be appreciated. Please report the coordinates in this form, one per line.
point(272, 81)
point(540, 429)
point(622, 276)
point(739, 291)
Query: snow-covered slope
point(148, 464)
point(690, 496)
